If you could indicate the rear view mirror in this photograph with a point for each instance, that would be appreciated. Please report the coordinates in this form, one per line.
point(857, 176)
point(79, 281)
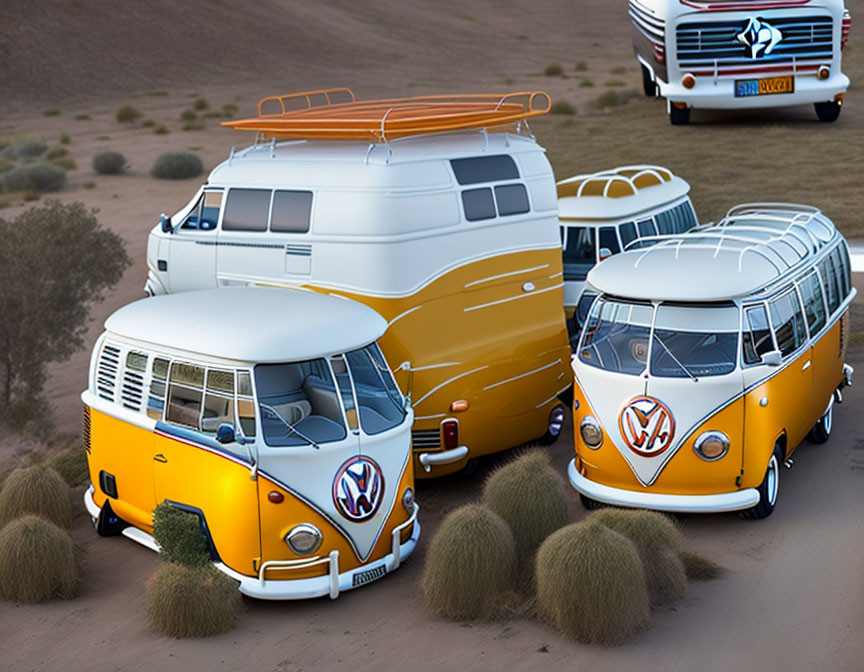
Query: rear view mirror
point(165, 223)
point(225, 433)
point(772, 358)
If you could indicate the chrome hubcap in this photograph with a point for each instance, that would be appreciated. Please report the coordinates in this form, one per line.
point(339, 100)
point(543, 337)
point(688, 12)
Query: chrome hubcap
point(772, 478)
point(556, 421)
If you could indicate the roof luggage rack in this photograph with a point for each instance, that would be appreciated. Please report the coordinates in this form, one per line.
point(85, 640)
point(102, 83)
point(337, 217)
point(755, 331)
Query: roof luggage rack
point(615, 183)
point(335, 114)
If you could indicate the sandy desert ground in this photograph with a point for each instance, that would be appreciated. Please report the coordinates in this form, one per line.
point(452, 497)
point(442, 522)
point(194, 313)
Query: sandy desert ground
point(793, 598)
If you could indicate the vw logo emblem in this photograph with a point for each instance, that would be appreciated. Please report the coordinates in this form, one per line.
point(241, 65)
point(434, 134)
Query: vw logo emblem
point(358, 489)
point(760, 36)
point(647, 426)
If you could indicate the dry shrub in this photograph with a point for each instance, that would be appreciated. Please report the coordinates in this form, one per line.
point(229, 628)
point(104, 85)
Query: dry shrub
point(529, 496)
point(37, 561)
point(177, 166)
point(109, 163)
point(191, 601)
point(471, 562)
point(700, 568)
point(591, 585)
point(658, 541)
point(71, 464)
point(39, 176)
point(38, 490)
point(179, 535)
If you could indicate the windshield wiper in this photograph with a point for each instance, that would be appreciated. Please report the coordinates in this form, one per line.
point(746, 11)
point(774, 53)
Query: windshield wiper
point(289, 425)
point(677, 361)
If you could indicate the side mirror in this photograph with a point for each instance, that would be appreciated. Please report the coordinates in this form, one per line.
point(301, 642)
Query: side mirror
point(165, 223)
point(406, 366)
point(225, 433)
point(772, 358)
point(605, 253)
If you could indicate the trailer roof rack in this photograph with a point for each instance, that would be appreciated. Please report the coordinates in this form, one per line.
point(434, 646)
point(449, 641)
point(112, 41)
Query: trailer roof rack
point(616, 183)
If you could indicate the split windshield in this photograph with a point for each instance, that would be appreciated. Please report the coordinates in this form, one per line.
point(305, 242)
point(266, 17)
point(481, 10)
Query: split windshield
point(681, 341)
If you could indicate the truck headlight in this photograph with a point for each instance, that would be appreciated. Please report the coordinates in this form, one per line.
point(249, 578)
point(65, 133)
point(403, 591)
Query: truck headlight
point(408, 500)
point(304, 539)
point(591, 433)
point(711, 446)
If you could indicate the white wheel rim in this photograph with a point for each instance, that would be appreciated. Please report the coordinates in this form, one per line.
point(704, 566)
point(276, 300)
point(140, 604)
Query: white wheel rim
point(556, 422)
point(772, 479)
point(827, 419)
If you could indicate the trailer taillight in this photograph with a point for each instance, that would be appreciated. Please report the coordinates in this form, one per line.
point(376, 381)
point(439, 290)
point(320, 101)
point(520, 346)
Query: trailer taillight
point(450, 434)
point(847, 27)
point(659, 53)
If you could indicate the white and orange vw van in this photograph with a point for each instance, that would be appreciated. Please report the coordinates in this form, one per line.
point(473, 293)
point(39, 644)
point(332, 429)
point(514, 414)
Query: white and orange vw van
point(269, 413)
point(707, 358)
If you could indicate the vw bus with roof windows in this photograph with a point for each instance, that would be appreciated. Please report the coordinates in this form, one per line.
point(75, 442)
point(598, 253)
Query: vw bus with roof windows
point(742, 54)
point(603, 213)
point(707, 358)
point(439, 213)
point(269, 413)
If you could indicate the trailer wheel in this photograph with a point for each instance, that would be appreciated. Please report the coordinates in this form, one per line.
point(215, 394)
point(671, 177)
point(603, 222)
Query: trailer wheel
point(679, 116)
point(822, 429)
point(649, 86)
point(553, 429)
point(768, 489)
point(827, 111)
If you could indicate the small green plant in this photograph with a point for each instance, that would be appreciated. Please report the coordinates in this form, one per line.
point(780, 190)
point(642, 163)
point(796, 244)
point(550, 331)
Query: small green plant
point(89, 185)
point(188, 115)
point(562, 107)
point(39, 176)
point(71, 462)
point(658, 541)
point(191, 602)
point(51, 112)
point(618, 70)
point(615, 82)
point(82, 117)
point(470, 564)
point(591, 585)
point(65, 139)
point(177, 166)
point(38, 490)
point(66, 163)
point(158, 93)
point(56, 153)
point(700, 568)
point(521, 36)
point(37, 561)
point(200, 104)
point(128, 114)
point(611, 98)
point(109, 163)
point(581, 66)
point(529, 497)
point(586, 82)
point(229, 110)
point(194, 126)
point(148, 123)
point(161, 129)
point(24, 149)
point(179, 535)
point(553, 70)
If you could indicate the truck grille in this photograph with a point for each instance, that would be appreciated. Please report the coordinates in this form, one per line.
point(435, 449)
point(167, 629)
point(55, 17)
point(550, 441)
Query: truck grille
point(106, 372)
point(133, 390)
point(85, 428)
point(426, 439)
point(806, 43)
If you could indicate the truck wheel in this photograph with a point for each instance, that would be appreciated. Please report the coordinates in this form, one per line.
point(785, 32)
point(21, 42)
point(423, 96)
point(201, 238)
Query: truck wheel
point(767, 489)
point(822, 429)
point(649, 86)
point(679, 116)
point(827, 111)
point(109, 524)
point(553, 430)
point(590, 504)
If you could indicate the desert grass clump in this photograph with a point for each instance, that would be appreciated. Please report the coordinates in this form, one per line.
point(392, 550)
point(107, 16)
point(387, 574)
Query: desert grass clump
point(191, 602)
point(658, 541)
point(24, 149)
point(51, 112)
point(700, 568)
point(611, 98)
point(37, 561)
point(581, 66)
point(470, 565)
point(188, 115)
point(529, 496)
point(177, 166)
point(56, 153)
point(591, 585)
point(200, 104)
point(71, 464)
point(586, 82)
point(161, 129)
point(128, 114)
point(179, 535)
point(109, 163)
point(39, 176)
point(562, 107)
point(553, 70)
point(38, 490)
point(229, 110)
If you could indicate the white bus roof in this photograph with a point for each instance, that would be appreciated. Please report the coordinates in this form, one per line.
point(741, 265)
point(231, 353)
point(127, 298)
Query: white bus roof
point(617, 194)
point(250, 324)
point(751, 248)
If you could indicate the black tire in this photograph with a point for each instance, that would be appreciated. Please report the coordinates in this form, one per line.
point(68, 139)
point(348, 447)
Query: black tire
point(556, 424)
point(590, 504)
point(109, 524)
point(649, 86)
point(821, 431)
point(679, 116)
point(827, 112)
point(470, 469)
point(768, 488)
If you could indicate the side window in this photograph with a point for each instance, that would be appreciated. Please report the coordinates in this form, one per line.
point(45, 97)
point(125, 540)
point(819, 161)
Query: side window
point(757, 335)
point(193, 217)
point(686, 217)
point(830, 282)
point(512, 199)
point(478, 204)
point(218, 400)
point(628, 233)
point(646, 228)
point(291, 211)
point(247, 210)
point(814, 306)
point(210, 208)
point(185, 390)
point(156, 400)
point(484, 169)
point(580, 252)
point(378, 400)
point(788, 322)
point(841, 265)
point(608, 239)
point(245, 403)
point(665, 222)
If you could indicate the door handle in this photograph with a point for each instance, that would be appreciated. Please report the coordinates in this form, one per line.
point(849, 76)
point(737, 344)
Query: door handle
point(806, 365)
point(160, 458)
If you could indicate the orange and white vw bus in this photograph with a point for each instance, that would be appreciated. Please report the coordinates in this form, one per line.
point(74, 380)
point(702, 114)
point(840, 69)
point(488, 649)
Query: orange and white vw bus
point(269, 413)
point(707, 358)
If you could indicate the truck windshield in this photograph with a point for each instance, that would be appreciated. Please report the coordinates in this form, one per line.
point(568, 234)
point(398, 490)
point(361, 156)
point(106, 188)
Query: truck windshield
point(616, 336)
point(379, 402)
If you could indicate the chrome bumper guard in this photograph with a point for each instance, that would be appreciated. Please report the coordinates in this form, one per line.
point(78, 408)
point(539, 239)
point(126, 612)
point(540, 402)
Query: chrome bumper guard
point(429, 460)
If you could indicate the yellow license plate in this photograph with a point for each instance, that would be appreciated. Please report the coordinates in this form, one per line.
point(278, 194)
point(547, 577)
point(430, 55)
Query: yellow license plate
point(764, 87)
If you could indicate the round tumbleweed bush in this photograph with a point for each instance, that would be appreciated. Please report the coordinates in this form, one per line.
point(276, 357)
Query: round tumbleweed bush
point(530, 497)
point(39, 176)
point(179, 535)
point(177, 166)
point(658, 541)
point(470, 563)
point(191, 602)
point(37, 561)
point(38, 490)
point(109, 163)
point(591, 585)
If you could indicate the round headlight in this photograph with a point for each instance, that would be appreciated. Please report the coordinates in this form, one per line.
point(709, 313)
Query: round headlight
point(591, 433)
point(711, 446)
point(304, 539)
point(408, 500)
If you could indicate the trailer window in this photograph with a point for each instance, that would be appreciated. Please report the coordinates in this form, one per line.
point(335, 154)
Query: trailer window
point(478, 204)
point(512, 199)
point(291, 211)
point(788, 322)
point(616, 336)
point(628, 233)
point(580, 252)
point(185, 391)
point(379, 401)
point(646, 228)
point(757, 339)
point(665, 222)
point(484, 169)
point(247, 210)
point(814, 306)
